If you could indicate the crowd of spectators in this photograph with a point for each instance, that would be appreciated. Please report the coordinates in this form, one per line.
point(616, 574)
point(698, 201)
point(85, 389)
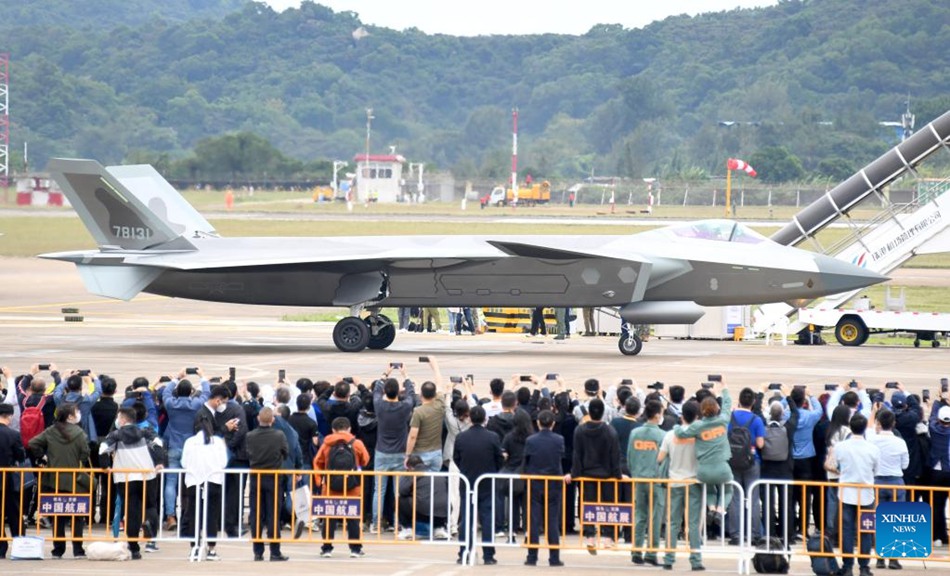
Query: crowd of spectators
point(673, 453)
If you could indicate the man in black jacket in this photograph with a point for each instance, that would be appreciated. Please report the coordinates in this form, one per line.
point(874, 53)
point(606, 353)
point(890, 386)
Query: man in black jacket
point(267, 449)
point(503, 423)
point(909, 414)
point(542, 457)
point(337, 402)
point(477, 452)
point(11, 454)
point(596, 456)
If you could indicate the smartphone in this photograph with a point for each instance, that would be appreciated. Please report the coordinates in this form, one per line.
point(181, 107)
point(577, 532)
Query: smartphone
point(471, 377)
point(165, 379)
point(800, 386)
point(525, 378)
point(944, 385)
point(455, 379)
point(831, 386)
point(423, 359)
point(707, 385)
point(775, 386)
point(191, 370)
point(348, 379)
point(551, 377)
point(926, 395)
point(626, 382)
point(891, 385)
point(714, 377)
point(43, 367)
point(395, 365)
point(232, 374)
point(853, 384)
point(281, 374)
point(874, 392)
point(656, 386)
point(85, 372)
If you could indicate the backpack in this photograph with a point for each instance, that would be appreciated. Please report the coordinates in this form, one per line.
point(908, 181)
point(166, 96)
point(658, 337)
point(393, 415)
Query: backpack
point(740, 445)
point(32, 422)
point(342, 458)
point(768, 562)
point(776, 443)
point(822, 565)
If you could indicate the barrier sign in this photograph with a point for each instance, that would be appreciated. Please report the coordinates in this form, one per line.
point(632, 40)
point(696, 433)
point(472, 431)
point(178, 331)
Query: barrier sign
point(608, 514)
point(337, 507)
point(61, 505)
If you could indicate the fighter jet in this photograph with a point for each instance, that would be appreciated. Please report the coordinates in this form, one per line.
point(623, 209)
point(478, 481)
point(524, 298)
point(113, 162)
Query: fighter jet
point(151, 240)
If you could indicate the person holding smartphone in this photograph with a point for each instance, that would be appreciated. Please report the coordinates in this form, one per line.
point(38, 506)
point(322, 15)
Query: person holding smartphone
point(392, 420)
point(425, 425)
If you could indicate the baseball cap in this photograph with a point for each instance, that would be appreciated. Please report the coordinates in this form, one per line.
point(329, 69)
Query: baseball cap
point(591, 386)
point(898, 400)
point(944, 414)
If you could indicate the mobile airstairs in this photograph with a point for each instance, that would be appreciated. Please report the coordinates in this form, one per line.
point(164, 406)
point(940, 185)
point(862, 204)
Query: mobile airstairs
point(897, 234)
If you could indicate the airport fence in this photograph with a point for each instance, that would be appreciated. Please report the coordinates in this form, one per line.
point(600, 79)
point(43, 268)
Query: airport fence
point(655, 520)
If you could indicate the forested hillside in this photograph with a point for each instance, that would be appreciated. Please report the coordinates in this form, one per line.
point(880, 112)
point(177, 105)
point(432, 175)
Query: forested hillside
point(806, 80)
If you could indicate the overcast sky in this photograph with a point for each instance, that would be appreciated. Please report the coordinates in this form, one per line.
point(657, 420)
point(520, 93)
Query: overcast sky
point(473, 18)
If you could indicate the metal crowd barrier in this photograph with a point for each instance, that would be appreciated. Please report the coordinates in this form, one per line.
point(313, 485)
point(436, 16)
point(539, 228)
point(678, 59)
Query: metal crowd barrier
point(607, 508)
point(778, 499)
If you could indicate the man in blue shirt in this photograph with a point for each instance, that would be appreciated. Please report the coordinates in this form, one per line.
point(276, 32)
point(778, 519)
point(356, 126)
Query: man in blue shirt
point(744, 417)
point(181, 402)
point(803, 449)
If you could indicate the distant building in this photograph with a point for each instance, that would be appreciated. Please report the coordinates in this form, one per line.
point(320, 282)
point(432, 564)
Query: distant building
point(378, 177)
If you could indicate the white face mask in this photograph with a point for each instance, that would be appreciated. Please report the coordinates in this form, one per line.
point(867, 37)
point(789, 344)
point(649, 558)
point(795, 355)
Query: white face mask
point(75, 418)
point(221, 407)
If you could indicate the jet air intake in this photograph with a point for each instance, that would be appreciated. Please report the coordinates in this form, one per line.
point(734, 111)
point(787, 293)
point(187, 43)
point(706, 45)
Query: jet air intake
point(654, 312)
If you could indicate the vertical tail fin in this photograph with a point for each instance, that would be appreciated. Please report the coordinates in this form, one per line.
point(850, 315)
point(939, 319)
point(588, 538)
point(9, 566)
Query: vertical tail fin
point(115, 217)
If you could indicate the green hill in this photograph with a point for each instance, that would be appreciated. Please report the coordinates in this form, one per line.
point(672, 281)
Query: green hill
point(811, 76)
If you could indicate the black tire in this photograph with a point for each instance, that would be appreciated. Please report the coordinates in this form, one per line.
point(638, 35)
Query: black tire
point(851, 331)
point(917, 343)
point(384, 336)
point(351, 334)
point(935, 343)
point(630, 345)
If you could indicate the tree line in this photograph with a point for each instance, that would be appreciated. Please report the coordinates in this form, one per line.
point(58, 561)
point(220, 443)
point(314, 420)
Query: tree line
point(800, 87)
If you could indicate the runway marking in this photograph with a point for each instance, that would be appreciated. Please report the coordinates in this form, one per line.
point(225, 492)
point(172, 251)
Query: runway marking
point(77, 303)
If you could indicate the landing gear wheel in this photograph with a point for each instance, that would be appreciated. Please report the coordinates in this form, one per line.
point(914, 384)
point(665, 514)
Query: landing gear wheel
point(351, 334)
point(851, 332)
point(630, 345)
point(385, 332)
point(916, 343)
point(935, 344)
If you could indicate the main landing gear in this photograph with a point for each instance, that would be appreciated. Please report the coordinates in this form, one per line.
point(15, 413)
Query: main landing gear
point(353, 334)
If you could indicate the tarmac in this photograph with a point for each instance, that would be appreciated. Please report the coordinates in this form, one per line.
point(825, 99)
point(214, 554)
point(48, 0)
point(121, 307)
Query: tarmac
point(152, 336)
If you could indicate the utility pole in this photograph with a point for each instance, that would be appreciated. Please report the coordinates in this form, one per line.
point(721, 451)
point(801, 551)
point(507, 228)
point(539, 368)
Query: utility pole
point(4, 121)
point(365, 173)
point(514, 157)
point(337, 165)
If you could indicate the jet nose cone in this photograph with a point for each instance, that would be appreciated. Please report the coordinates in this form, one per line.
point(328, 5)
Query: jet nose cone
point(839, 276)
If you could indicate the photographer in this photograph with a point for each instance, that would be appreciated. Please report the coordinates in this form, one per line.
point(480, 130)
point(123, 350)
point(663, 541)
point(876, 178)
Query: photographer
point(392, 425)
point(182, 403)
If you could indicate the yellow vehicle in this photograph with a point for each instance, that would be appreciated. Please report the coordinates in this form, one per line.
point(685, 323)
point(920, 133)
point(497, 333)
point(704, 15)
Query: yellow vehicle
point(322, 194)
point(527, 196)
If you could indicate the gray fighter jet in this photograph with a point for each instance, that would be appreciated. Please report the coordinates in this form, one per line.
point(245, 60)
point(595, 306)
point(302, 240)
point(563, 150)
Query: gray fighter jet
point(151, 240)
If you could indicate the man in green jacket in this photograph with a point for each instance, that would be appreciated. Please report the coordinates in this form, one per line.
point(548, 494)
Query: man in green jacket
point(648, 498)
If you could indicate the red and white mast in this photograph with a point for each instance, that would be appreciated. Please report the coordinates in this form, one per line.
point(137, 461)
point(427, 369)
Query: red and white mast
point(514, 155)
